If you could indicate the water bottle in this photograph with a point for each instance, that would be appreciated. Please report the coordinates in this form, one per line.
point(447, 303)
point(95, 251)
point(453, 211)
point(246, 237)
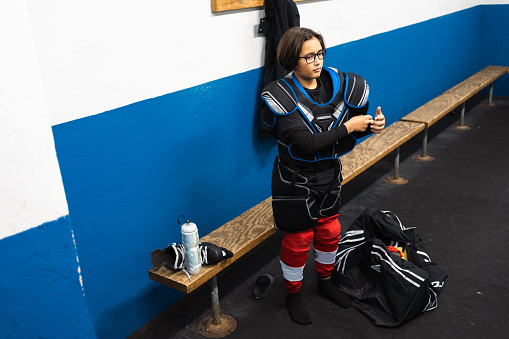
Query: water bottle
point(190, 239)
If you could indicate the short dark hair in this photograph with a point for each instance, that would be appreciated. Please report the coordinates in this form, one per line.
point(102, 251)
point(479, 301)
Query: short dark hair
point(289, 47)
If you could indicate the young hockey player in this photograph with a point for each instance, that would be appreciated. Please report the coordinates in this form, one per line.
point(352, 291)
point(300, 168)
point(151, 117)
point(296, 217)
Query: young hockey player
point(316, 113)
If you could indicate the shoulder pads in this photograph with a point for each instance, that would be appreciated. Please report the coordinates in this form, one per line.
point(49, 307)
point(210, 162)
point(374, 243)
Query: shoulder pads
point(357, 91)
point(280, 97)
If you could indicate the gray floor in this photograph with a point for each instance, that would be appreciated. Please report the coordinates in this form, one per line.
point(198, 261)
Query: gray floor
point(460, 205)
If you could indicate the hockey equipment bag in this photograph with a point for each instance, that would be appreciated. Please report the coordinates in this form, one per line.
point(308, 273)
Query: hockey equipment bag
point(383, 285)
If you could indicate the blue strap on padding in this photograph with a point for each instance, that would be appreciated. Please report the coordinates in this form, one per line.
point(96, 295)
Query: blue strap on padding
point(315, 160)
point(273, 124)
point(335, 86)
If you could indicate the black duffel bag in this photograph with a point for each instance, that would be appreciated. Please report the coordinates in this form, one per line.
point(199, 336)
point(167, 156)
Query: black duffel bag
point(383, 285)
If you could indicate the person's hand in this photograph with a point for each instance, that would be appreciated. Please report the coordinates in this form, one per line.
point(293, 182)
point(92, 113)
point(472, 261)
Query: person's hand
point(379, 123)
point(359, 123)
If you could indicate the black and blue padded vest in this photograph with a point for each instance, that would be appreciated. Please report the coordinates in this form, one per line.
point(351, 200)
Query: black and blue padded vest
point(293, 107)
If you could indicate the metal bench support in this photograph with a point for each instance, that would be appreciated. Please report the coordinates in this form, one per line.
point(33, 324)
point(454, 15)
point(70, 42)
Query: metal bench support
point(490, 97)
point(216, 325)
point(462, 125)
point(396, 180)
point(424, 156)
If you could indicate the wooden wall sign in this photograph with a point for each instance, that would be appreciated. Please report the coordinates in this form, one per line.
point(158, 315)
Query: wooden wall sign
point(227, 5)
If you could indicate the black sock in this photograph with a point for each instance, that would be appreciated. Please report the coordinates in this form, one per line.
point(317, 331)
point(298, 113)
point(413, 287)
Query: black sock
point(298, 311)
point(328, 290)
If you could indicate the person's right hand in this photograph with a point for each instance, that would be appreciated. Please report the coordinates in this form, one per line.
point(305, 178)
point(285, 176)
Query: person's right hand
point(359, 123)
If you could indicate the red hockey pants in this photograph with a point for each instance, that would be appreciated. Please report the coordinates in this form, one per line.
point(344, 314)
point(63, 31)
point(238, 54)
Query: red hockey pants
point(295, 247)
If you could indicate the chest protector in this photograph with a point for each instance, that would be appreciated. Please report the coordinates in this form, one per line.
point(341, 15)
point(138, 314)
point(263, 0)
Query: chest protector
point(293, 107)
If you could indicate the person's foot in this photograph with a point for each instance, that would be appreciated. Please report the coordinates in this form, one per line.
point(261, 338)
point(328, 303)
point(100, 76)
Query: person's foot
point(297, 309)
point(328, 290)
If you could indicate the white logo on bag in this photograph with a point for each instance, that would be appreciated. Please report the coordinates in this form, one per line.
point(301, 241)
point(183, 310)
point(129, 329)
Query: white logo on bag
point(437, 284)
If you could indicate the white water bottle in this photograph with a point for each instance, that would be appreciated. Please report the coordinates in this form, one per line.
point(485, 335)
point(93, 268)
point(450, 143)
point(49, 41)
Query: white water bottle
point(190, 239)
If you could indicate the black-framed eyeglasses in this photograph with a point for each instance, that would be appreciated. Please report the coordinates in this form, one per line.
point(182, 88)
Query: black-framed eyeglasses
point(310, 58)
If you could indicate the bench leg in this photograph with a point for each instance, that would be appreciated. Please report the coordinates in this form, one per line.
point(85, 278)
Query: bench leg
point(425, 143)
point(424, 156)
point(462, 125)
point(462, 119)
point(490, 97)
point(214, 294)
point(396, 165)
point(216, 325)
point(396, 180)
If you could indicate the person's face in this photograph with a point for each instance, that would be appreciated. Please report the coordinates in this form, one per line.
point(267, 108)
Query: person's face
point(308, 73)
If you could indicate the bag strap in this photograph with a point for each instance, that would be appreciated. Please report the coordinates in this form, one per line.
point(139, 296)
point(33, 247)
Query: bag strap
point(395, 217)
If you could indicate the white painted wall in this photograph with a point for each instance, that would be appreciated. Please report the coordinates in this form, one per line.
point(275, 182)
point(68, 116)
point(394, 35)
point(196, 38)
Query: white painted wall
point(345, 21)
point(99, 55)
point(495, 2)
point(31, 189)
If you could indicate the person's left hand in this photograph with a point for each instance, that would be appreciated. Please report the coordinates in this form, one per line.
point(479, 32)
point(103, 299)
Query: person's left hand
point(378, 123)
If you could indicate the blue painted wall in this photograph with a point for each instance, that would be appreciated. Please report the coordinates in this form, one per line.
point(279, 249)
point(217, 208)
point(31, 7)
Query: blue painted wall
point(129, 172)
point(495, 41)
point(49, 303)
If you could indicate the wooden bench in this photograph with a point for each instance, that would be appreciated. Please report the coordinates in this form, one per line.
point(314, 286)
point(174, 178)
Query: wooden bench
point(445, 103)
